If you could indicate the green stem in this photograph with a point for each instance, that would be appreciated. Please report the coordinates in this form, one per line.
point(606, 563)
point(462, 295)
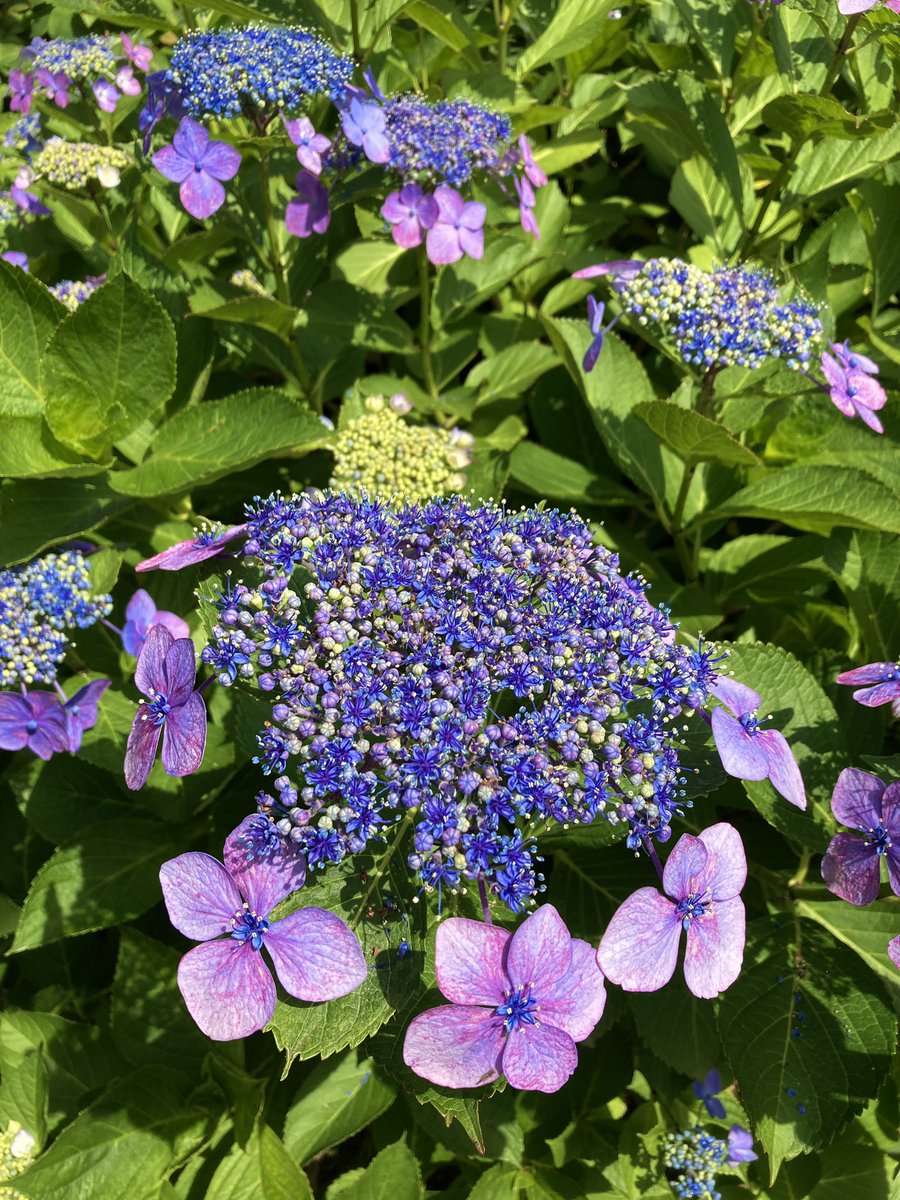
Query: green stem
point(282, 287)
point(384, 862)
point(425, 323)
point(678, 535)
point(354, 29)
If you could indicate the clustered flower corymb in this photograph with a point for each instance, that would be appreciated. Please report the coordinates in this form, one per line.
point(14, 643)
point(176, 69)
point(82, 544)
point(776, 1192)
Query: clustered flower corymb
point(477, 671)
point(63, 70)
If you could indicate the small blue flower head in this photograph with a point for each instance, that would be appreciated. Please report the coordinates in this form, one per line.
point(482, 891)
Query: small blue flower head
point(261, 68)
point(708, 1092)
point(79, 58)
point(692, 1159)
point(40, 604)
point(478, 671)
point(445, 142)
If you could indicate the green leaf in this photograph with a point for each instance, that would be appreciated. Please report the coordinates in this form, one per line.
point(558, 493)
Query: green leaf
point(613, 390)
point(110, 874)
point(697, 1046)
point(392, 1175)
point(806, 717)
point(833, 163)
point(148, 1019)
point(573, 26)
point(806, 116)
point(203, 443)
point(699, 194)
point(339, 1098)
point(123, 1145)
point(693, 437)
point(839, 1054)
point(468, 283)
point(369, 265)
point(34, 516)
point(851, 1171)
point(109, 366)
point(450, 27)
point(884, 240)
point(511, 371)
point(866, 566)
point(265, 1170)
point(865, 930)
point(28, 317)
point(265, 312)
point(550, 474)
point(818, 498)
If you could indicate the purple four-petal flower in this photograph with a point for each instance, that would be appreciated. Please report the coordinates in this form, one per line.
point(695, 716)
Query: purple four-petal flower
point(882, 680)
point(410, 212)
point(35, 720)
point(708, 1091)
point(748, 752)
point(136, 53)
point(225, 981)
point(851, 866)
point(458, 229)
point(141, 614)
point(621, 268)
point(165, 674)
point(740, 1146)
point(310, 145)
point(309, 211)
point(702, 879)
point(534, 173)
point(853, 391)
point(21, 86)
point(207, 544)
point(198, 165)
point(56, 86)
point(364, 125)
point(519, 1003)
point(80, 712)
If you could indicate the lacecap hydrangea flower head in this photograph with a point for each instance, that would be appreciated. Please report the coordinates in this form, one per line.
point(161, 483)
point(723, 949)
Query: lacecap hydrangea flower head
point(468, 673)
point(64, 70)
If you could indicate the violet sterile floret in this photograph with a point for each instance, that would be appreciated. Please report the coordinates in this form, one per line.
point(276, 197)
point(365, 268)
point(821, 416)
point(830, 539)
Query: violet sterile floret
point(894, 951)
point(309, 211)
point(80, 712)
point(226, 983)
point(851, 866)
point(198, 165)
point(141, 614)
point(411, 212)
point(881, 684)
point(208, 542)
point(364, 125)
point(748, 752)
point(35, 720)
point(702, 881)
point(165, 674)
point(458, 229)
point(853, 391)
point(518, 1004)
point(740, 1146)
point(310, 145)
point(391, 635)
point(708, 1090)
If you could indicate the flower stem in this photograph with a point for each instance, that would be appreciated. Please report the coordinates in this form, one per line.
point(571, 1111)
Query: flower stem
point(654, 857)
point(282, 287)
point(354, 29)
point(384, 862)
point(425, 323)
point(485, 907)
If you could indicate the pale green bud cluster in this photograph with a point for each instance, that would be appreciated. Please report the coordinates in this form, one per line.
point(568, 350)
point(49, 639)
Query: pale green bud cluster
point(16, 1153)
point(74, 165)
point(247, 281)
point(381, 455)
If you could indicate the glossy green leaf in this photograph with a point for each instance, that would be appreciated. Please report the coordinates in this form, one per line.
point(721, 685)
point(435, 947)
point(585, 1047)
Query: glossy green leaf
point(392, 1175)
point(693, 437)
point(339, 1098)
point(818, 498)
point(265, 1170)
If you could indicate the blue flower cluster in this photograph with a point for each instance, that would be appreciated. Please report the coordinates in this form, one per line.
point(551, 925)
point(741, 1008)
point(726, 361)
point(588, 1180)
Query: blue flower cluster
point(448, 141)
point(25, 134)
point(79, 58)
point(39, 603)
point(72, 292)
point(227, 72)
point(694, 1156)
point(732, 316)
point(479, 673)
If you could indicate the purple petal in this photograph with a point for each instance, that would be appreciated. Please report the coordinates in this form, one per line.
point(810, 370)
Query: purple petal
point(890, 810)
point(468, 961)
point(725, 872)
point(450, 203)
point(407, 233)
point(472, 241)
point(857, 799)
point(376, 147)
point(876, 672)
point(851, 869)
point(140, 611)
point(227, 988)
point(150, 672)
point(221, 160)
point(396, 208)
point(540, 951)
point(684, 867)
point(784, 774)
point(442, 244)
point(267, 878)
point(200, 895)
point(201, 195)
point(191, 140)
point(299, 130)
point(47, 741)
point(575, 1002)
point(316, 956)
point(741, 757)
point(472, 216)
point(175, 625)
point(881, 693)
point(892, 855)
point(866, 415)
point(185, 554)
point(595, 313)
point(849, 7)
point(894, 950)
point(309, 159)
point(640, 947)
point(835, 373)
point(621, 268)
point(171, 164)
point(455, 1046)
point(736, 696)
point(740, 1145)
point(105, 94)
point(592, 354)
point(715, 949)
point(180, 671)
point(539, 1058)
point(184, 737)
point(81, 712)
point(141, 749)
point(13, 734)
